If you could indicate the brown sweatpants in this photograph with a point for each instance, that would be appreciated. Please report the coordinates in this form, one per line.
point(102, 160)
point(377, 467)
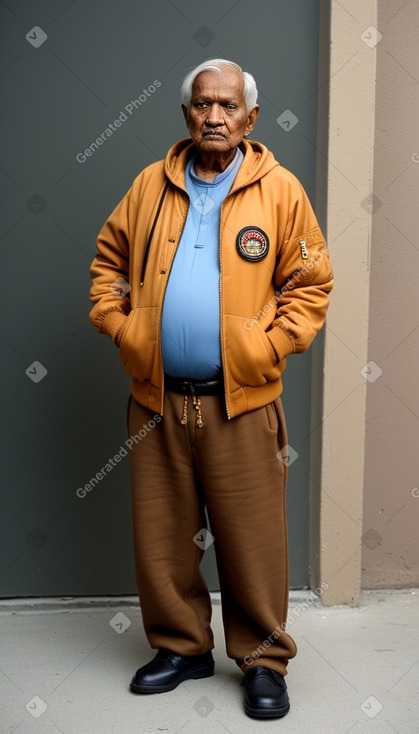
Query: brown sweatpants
point(231, 466)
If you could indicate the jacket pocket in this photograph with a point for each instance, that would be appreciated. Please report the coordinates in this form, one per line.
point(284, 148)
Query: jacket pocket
point(138, 345)
point(250, 356)
point(121, 330)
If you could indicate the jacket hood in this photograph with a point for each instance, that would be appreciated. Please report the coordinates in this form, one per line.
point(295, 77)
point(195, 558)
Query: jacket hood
point(257, 162)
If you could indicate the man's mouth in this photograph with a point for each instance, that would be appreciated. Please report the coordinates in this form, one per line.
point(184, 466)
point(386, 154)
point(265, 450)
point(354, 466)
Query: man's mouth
point(213, 134)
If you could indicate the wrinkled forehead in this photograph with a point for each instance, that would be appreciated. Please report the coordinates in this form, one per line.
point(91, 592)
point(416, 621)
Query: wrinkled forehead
point(229, 84)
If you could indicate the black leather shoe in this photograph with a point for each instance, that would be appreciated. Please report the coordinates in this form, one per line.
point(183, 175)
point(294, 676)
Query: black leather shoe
point(168, 669)
point(266, 693)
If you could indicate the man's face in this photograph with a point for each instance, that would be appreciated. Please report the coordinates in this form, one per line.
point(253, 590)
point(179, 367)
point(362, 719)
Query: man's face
point(217, 117)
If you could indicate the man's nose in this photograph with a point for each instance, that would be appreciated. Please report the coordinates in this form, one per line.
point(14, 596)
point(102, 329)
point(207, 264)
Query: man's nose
point(215, 115)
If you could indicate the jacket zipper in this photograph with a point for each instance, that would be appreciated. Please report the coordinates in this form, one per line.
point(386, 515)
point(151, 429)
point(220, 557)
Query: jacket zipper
point(161, 312)
point(223, 356)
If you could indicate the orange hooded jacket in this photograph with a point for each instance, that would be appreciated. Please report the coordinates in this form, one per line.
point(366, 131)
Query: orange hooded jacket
point(271, 304)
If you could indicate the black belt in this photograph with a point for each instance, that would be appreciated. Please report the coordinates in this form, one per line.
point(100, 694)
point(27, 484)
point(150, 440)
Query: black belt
point(186, 386)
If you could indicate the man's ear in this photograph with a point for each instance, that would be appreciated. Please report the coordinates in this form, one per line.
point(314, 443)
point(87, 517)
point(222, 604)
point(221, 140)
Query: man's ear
point(185, 114)
point(251, 120)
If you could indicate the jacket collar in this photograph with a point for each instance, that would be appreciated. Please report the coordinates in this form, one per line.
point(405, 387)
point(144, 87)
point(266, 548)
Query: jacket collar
point(257, 162)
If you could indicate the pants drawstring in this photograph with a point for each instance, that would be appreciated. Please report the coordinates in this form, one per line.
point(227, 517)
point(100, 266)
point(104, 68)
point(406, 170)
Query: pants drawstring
point(196, 401)
point(198, 407)
point(185, 411)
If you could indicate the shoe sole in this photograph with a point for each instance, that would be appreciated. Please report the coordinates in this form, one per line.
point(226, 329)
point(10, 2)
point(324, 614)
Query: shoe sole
point(206, 672)
point(257, 713)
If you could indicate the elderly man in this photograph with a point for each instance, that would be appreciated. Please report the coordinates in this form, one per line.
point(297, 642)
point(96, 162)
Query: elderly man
point(209, 272)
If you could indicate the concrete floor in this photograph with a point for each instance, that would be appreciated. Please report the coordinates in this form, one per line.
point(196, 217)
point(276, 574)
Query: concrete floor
point(65, 666)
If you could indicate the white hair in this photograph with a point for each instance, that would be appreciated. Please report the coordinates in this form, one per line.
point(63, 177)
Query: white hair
point(250, 92)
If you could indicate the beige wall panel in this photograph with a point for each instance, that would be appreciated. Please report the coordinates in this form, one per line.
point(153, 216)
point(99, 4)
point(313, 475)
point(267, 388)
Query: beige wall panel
point(350, 162)
point(390, 548)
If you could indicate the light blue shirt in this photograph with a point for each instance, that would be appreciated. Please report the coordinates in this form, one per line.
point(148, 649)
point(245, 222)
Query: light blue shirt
point(191, 309)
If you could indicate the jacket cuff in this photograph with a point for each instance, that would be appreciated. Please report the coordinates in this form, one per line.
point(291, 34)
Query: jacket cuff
point(282, 344)
point(111, 323)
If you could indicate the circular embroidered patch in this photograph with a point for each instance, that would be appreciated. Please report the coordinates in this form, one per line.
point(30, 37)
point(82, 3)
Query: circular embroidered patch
point(252, 243)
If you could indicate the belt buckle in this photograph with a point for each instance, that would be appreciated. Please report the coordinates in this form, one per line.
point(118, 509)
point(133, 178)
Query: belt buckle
point(191, 387)
point(187, 387)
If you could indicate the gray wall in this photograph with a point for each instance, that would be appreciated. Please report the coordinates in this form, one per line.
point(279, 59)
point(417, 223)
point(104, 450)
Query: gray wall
point(59, 427)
